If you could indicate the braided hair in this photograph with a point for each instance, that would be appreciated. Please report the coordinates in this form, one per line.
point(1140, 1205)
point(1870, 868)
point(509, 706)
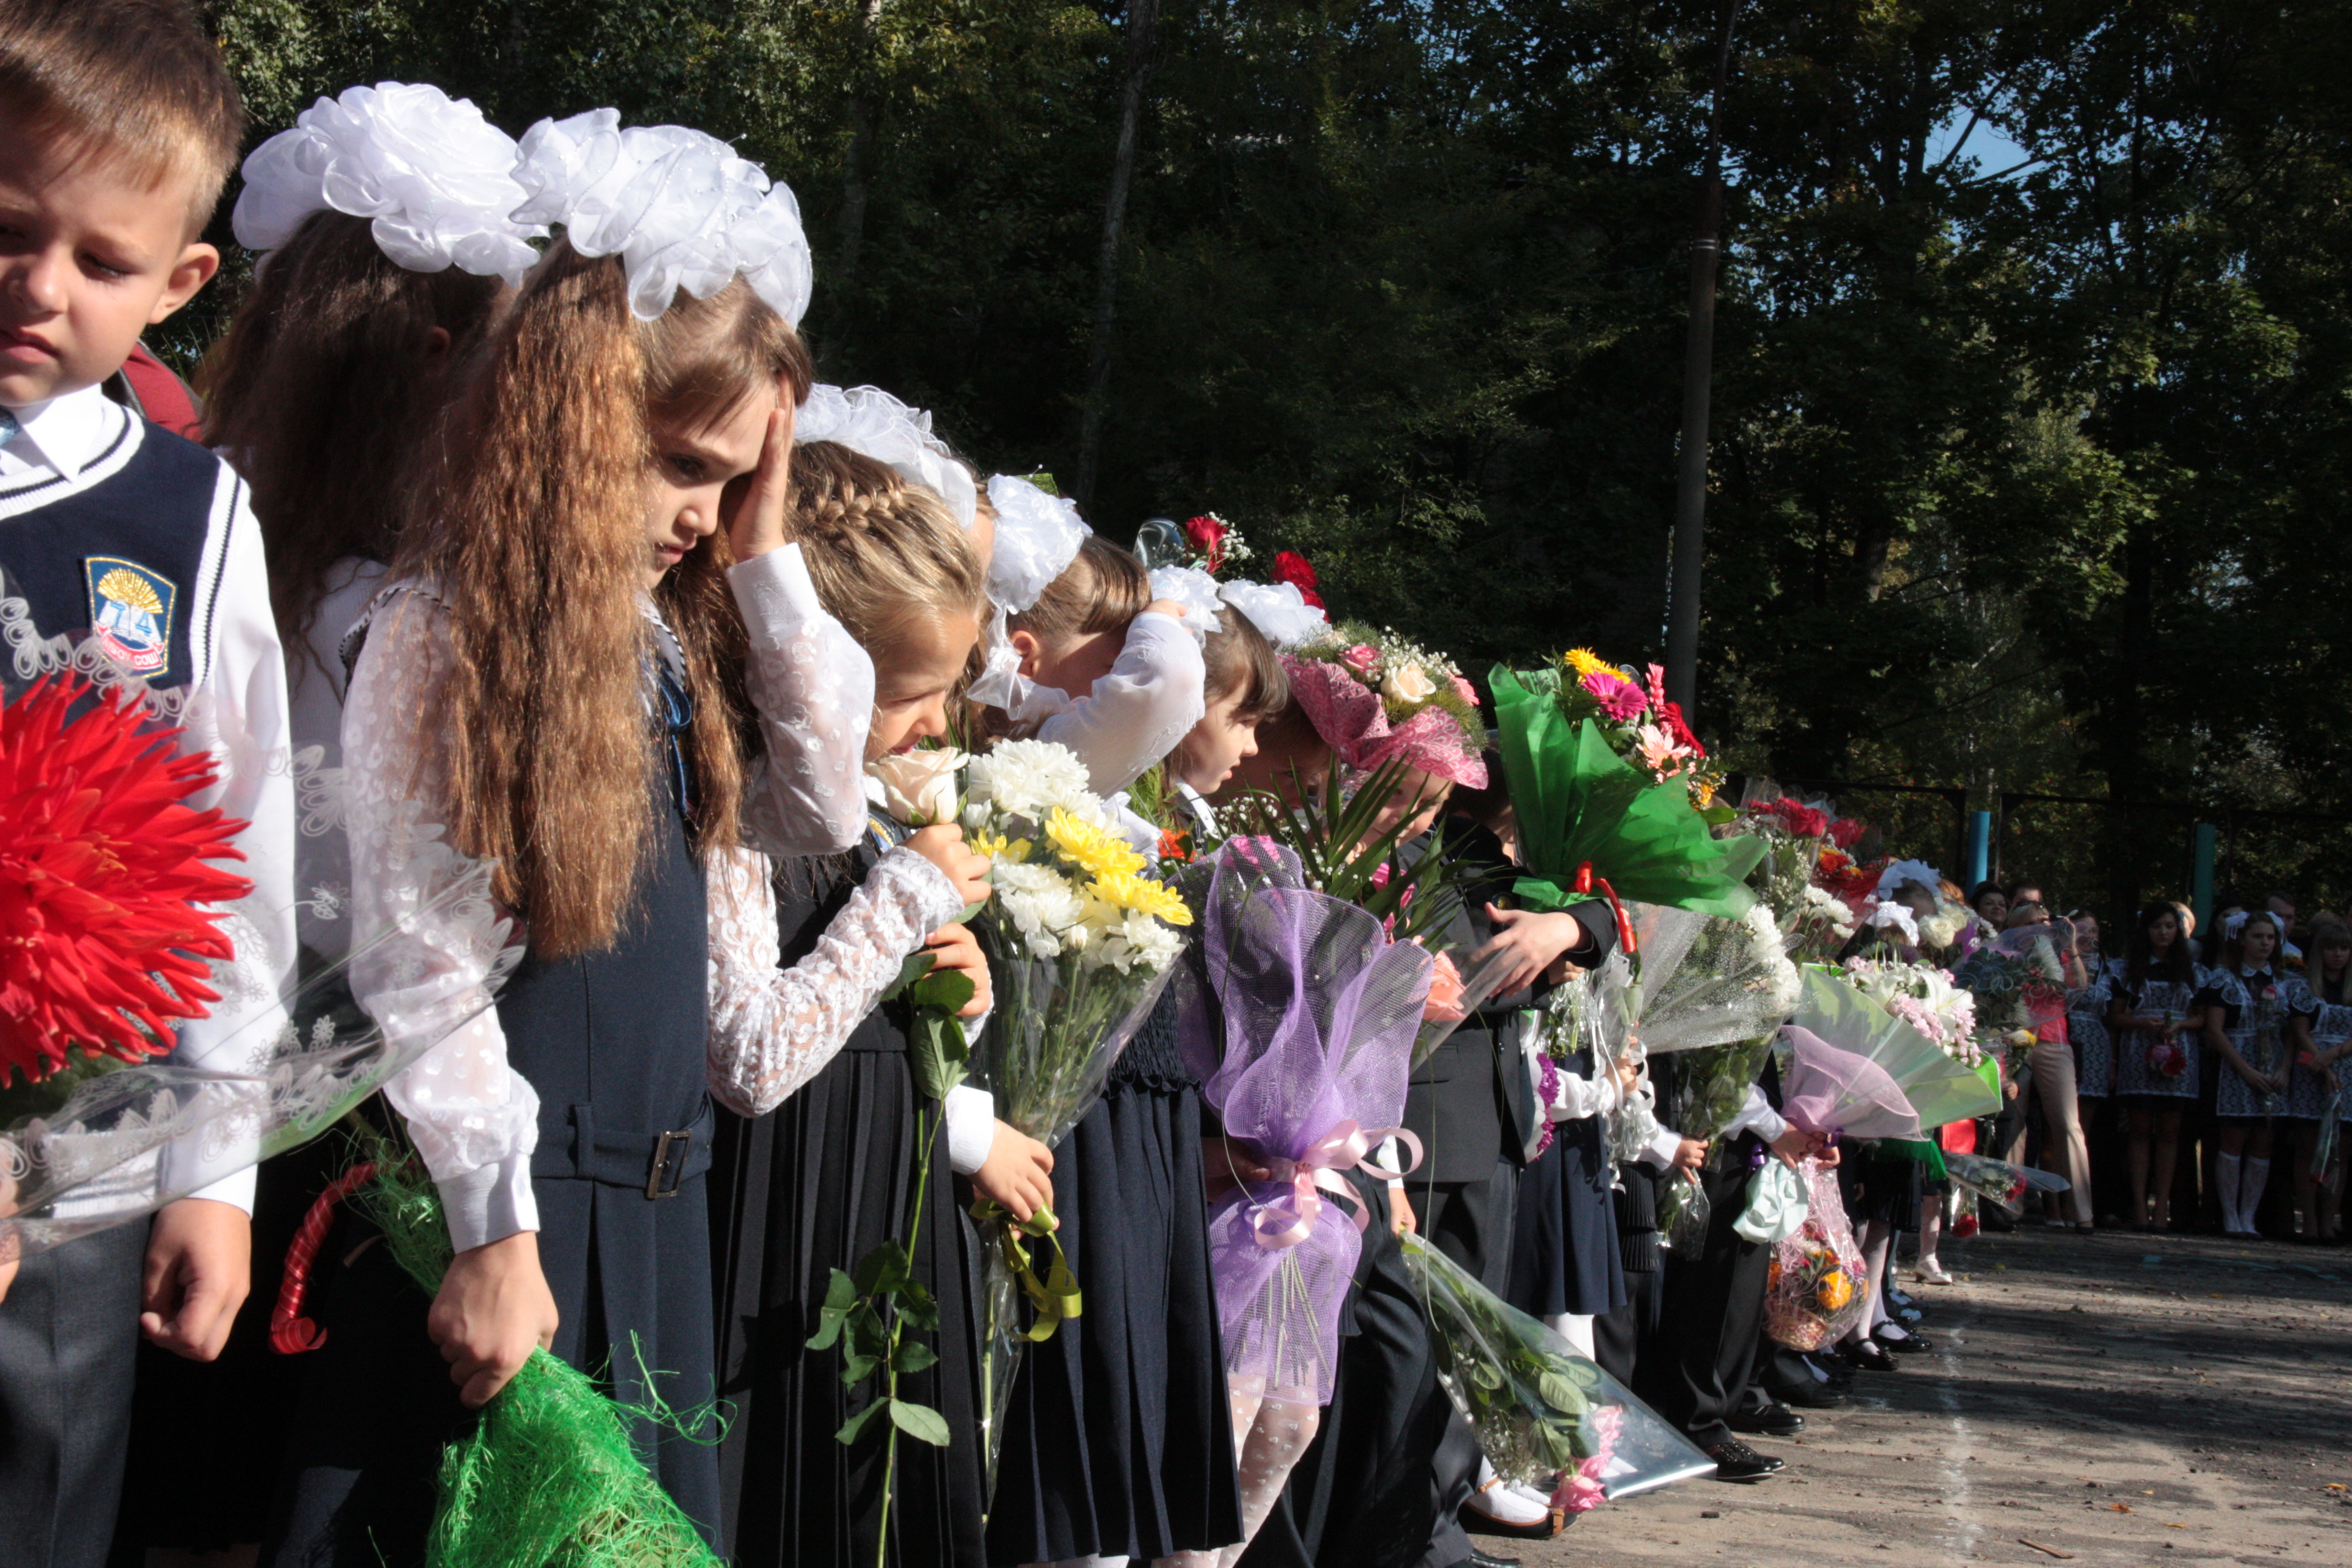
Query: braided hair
point(884, 553)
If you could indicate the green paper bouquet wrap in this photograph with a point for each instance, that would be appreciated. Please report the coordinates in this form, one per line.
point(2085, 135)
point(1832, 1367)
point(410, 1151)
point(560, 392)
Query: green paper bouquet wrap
point(1577, 803)
point(547, 1477)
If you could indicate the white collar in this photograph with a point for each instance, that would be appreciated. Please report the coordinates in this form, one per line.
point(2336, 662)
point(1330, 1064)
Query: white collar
point(64, 434)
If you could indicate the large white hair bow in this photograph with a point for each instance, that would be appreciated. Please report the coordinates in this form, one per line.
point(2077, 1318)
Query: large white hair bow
point(1893, 879)
point(436, 178)
point(869, 420)
point(1279, 610)
point(1038, 534)
point(1197, 592)
point(679, 207)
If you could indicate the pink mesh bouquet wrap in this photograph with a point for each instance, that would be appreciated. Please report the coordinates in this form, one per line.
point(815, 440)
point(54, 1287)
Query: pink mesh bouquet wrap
point(1814, 1292)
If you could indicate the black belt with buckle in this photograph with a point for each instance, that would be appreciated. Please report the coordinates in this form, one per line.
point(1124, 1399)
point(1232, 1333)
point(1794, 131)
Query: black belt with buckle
point(656, 1163)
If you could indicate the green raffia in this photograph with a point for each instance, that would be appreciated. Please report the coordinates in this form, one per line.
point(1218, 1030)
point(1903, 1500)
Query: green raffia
point(1577, 802)
point(547, 1477)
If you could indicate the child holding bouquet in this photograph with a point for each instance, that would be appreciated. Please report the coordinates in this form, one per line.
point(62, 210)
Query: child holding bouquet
point(831, 1173)
point(2323, 1040)
point(1118, 1440)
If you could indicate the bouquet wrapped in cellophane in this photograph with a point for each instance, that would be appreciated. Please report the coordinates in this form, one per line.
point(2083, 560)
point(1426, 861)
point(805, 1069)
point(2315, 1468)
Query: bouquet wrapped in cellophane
point(1081, 941)
point(123, 928)
point(1299, 1023)
point(1704, 986)
point(1546, 1416)
point(1814, 1289)
point(2000, 1181)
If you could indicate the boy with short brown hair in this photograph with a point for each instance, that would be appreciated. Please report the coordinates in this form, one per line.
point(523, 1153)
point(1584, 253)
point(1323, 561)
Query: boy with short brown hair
point(118, 126)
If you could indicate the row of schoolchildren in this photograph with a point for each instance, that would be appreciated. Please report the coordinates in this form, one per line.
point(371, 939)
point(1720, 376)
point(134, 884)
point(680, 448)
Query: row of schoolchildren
point(562, 557)
point(2241, 1058)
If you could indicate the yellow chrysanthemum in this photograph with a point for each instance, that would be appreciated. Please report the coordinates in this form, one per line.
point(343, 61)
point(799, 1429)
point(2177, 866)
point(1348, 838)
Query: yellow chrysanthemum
point(1583, 660)
point(1090, 845)
point(996, 847)
point(1125, 891)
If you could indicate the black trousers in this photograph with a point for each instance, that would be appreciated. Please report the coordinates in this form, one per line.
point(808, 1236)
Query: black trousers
point(1474, 1224)
point(1713, 1304)
point(68, 1342)
point(1624, 1339)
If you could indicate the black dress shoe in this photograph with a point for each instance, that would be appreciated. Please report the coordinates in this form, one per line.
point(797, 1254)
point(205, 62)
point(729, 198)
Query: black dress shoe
point(1478, 1559)
point(1772, 1421)
point(1736, 1461)
point(1869, 1356)
point(1812, 1396)
point(1909, 1344)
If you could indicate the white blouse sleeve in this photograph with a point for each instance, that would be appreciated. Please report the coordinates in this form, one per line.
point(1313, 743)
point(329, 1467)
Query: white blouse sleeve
point(772, 1029)
point(1573, 1096)
point(424, 973)
point(812, 687)
point(1139, 711)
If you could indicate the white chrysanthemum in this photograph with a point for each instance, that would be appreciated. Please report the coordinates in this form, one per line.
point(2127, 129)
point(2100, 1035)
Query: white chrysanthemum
point(1784, 985)
point(1042, 904)
point(1029, 778)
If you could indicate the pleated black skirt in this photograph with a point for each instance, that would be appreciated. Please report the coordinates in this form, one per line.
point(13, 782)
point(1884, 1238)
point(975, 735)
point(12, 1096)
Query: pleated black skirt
point(1118, 1434)
point(1565, 1257)
point(795, 1194)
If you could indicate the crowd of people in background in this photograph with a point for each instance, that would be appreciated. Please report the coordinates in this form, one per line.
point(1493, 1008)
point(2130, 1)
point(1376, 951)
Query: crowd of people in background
point(2199, 1088)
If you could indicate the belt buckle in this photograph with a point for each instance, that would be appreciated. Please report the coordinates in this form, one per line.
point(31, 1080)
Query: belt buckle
point(669, 1161)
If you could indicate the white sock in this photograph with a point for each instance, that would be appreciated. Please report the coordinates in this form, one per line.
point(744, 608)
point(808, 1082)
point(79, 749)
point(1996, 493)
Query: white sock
point(2225, 1182)
point(2250, 1194)
point(1576, 1328)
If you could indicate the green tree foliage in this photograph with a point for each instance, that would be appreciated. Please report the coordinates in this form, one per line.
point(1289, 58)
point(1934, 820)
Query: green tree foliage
point(2031, 365)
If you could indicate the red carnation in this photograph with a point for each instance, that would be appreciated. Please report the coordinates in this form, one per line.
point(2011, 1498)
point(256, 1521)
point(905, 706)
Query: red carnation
point(1207, 535)
point(1291, 567)
point(103, 880)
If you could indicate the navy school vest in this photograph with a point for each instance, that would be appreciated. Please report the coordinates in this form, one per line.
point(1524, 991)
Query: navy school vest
point(124, 550)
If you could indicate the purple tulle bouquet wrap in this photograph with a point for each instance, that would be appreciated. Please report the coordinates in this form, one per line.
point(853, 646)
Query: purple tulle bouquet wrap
point(1297, 1018)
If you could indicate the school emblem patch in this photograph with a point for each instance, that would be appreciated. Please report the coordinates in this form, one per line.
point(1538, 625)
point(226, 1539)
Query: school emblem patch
point(131, 612)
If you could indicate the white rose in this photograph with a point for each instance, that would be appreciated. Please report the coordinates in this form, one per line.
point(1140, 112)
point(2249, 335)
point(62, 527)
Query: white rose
point(919, 788)
point(1408, 683)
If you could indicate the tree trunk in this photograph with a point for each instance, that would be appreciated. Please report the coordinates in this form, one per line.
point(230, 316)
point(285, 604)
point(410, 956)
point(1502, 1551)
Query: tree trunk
point(857, 172)
point(1142, 24)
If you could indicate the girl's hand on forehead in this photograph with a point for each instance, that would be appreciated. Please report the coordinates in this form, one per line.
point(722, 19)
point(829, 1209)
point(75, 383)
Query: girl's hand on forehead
point(756, 503)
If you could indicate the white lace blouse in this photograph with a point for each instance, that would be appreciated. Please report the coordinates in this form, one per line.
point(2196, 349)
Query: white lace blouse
point(1135, 715)
point(475, 1118)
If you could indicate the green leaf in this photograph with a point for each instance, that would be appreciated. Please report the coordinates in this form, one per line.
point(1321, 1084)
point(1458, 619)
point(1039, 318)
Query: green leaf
point(913, 1356)
point(937, 1051)
point(917, 1306)
point(851, 1429)
point(919, 1421)
point(1560, 1394)
point(883, 1270)
point(948, 989)
point(918, 965)
point(839, 1297)
point(857, 1369)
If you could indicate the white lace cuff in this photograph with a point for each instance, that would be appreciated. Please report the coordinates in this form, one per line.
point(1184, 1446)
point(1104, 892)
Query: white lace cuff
point(773, 1030)
point(490, 1203)
point(812, 687)
point(971, 1128)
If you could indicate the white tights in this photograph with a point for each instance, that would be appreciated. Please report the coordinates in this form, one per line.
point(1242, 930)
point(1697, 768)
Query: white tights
point(1271, 1430)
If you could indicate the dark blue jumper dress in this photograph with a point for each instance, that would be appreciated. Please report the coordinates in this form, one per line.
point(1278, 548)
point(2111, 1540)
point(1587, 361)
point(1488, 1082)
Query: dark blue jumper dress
point(613, 1044)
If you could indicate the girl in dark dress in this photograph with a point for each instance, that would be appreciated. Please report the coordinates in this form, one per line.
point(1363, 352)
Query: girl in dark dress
point(550, 675)
point(2155, 1018)
point(816, 1170)
point(1119, 1438)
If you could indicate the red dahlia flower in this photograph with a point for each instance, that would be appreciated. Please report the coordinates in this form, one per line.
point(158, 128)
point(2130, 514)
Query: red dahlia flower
point(1291, 567)
point(103, 935)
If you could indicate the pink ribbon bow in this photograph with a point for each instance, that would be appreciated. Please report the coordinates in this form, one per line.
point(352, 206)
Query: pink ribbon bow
point(1288, 1219)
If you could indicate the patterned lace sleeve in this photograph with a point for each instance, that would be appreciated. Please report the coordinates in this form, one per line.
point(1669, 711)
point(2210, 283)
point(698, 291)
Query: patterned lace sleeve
point(474, 1118)
point(812, 686)
point(773, 1030)
point(1139, 711)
